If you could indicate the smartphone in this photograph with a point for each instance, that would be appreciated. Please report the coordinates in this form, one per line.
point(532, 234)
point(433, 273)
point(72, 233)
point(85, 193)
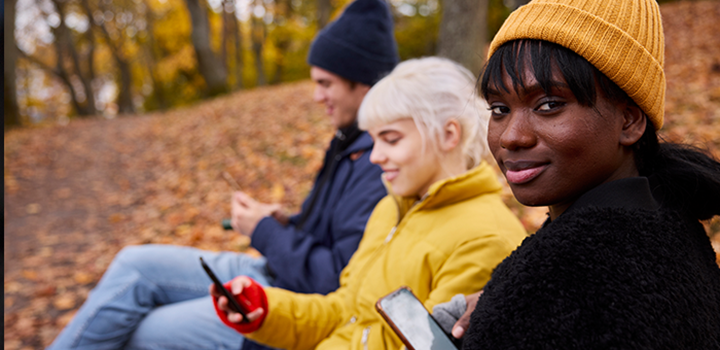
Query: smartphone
point(233, 304)
point(408, 317)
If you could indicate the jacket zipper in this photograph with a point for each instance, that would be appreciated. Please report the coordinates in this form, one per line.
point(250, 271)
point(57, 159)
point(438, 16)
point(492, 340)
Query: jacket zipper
point(365, 334)
point(390, 235)
point(366, 331)
point(399, 220)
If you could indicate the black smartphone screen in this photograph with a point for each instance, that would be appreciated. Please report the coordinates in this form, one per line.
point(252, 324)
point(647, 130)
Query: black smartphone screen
point(219, 286)
point(410, 318)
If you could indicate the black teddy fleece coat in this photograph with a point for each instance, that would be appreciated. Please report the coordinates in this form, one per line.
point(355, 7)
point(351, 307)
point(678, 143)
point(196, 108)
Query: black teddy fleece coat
point(604, 278)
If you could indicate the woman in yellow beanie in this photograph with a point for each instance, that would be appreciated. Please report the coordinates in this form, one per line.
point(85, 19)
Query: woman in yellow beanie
point(576, 89)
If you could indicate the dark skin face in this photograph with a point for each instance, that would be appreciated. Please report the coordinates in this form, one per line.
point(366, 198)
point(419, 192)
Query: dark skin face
point(552, 150)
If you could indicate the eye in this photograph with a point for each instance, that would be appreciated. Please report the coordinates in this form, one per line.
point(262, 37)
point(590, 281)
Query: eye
point(392, 140)
point(389, 137)
point(550, 106)
point(498, 110)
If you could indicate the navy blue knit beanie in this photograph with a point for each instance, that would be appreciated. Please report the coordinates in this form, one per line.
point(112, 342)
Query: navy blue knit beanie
point(360, 45)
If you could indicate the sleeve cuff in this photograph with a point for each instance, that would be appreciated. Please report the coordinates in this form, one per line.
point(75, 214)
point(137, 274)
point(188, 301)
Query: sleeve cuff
point(256, 298)
point(264, 233)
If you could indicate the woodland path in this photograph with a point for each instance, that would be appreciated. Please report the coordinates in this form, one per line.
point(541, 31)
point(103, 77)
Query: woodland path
point(74, 195)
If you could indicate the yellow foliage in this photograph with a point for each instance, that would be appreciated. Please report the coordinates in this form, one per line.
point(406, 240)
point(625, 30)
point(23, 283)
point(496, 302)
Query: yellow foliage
point(172, 26)
point(183, 59)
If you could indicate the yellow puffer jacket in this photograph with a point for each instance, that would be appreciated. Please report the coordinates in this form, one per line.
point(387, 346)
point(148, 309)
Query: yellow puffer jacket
point(447, 243)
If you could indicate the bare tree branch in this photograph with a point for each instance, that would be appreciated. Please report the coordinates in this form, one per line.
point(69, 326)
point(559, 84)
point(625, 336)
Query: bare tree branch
point(59, 73)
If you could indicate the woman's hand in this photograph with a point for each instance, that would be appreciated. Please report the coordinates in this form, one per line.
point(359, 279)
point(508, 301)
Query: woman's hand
point(237, 285)
point(463, 323)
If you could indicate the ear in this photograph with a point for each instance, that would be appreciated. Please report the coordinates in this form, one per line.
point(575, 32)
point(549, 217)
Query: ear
point(634, 124)
point(451, 135)
point(361, 88)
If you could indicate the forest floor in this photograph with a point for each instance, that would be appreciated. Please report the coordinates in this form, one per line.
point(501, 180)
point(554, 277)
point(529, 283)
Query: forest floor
point(76, 194)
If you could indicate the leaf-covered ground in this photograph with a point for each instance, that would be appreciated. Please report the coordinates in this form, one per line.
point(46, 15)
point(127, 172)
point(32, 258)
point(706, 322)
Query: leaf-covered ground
point(76, 194)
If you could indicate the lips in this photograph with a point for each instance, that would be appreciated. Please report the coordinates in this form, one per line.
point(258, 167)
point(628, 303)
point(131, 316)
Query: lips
point(523, 171)
point(390, 174)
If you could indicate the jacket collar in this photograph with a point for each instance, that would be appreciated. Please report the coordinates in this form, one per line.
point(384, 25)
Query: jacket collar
point(363, 143)
point(628, 193)
point(472, 183)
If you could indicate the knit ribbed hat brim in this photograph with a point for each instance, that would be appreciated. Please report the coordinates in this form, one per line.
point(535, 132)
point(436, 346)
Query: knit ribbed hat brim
point(621, 38)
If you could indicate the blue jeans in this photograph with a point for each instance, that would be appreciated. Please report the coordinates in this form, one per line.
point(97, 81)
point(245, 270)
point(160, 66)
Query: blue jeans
point(156, 297)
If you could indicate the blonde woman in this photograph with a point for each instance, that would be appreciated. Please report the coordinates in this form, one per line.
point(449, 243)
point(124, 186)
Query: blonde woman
point(441, 231)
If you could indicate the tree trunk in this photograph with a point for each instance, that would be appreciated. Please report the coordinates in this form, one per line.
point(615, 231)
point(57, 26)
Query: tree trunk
point(239, 64)
point(226, 35)
point(281, 47)
point(89, 105)
point(232, 36)
point(463, 31)
point(210, 68)
point(10, 107)
point(124, 101)
point(65, 44)
point(323, 13)
point(282, 38)
point(60, 47)
point(153, 55)
point(90, 77)
point(514, 4)
point(258, 38)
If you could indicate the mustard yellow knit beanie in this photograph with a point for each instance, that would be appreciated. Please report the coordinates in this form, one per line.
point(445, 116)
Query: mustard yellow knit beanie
point(621, 38)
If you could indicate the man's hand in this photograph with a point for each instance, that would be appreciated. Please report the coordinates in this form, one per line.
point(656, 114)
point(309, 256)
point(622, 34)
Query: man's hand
point(247, 212)
point(464, 322)
point(237, 285)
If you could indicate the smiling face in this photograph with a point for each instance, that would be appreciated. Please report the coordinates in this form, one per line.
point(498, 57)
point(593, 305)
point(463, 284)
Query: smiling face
point(408, 164)
point(341, 97)
point(551, 148)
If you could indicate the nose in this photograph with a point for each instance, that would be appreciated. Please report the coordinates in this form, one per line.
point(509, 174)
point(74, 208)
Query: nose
point(318, 95)
point(518, 132)
point(377, 156)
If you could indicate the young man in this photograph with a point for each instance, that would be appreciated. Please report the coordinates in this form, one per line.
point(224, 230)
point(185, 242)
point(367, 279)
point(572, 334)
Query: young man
point(156, 296)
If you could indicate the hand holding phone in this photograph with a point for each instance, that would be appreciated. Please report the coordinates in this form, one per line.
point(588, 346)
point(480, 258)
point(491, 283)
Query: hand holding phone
point(408, 317)
point(232, 303)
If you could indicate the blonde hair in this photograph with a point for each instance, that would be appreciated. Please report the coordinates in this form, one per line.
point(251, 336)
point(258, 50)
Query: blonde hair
point(431, 91)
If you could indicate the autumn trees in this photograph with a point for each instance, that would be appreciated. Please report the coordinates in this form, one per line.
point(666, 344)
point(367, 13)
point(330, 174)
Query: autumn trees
point(88, 57)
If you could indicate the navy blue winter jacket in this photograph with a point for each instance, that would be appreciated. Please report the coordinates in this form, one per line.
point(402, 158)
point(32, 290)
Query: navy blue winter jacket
point(310, 259)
